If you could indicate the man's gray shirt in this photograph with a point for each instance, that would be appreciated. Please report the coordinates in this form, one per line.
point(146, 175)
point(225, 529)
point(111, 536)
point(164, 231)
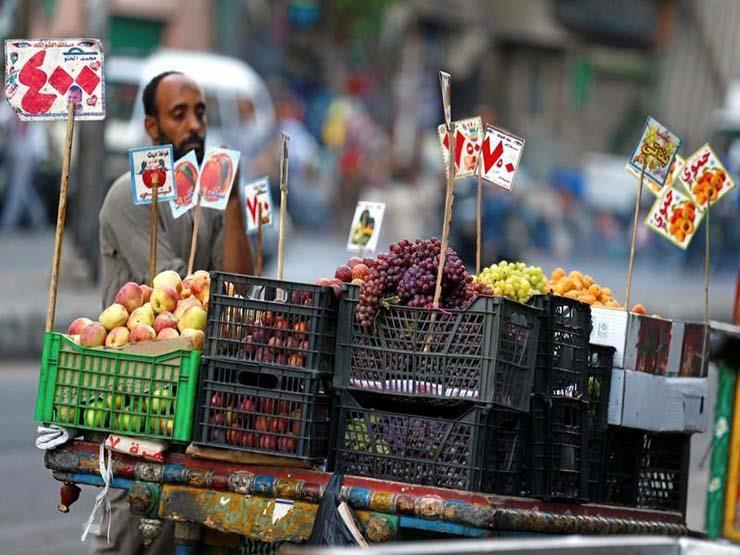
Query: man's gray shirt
point(124, 239)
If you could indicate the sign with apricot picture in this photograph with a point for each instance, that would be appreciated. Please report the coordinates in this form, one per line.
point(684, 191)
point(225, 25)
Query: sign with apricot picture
point(705, 178)
point(678, 164)
point(674, 216)
point(655, 151)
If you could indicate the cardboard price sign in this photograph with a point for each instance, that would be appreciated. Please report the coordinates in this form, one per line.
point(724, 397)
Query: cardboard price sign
point(655, 150)
point(257, 194)
point(500, 156)
point(186, 183)
point(674, 216)
point(676, 167)
point(151, 166)
point(468, 141)
point(43, 76)
point(365, 230)
point(216, 177)
point(705, 178)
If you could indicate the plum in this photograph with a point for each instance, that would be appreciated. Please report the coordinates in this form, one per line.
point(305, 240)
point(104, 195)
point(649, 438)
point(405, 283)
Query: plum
point(344, 273)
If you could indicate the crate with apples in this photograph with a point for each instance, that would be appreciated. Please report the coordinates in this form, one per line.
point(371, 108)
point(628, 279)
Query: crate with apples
point(271, 322)
point(261, 408)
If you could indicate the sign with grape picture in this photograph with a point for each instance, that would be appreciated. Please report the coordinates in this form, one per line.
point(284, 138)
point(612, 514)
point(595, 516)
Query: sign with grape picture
point(675, 216)
point(365, 229)
point(655, 150)
point(673, 175)
point(468, 141)
point(500, 156)
point(151, 166)
point(705, 178)
point(256, 194)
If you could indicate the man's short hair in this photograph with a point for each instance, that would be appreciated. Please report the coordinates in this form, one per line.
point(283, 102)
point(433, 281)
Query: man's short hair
point(149, 96)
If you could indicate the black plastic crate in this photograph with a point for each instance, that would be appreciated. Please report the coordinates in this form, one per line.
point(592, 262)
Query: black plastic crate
point(647, 470)
point(485, 353)
point(562, 353)
point(477, 449)
point(557, 462)
point(250, 407)
point(271, 322)
point(598, 382)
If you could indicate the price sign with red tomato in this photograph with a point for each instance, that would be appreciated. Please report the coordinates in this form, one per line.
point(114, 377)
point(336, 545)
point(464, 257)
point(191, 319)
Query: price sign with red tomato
point(150, 166)
point(217, 175)
point(186, 181)
point(705, 178)
point(468, 141)
point(674, 216)
point(43, 76)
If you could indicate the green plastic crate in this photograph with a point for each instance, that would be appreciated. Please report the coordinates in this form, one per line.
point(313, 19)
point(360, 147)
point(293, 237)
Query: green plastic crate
point(113, 391)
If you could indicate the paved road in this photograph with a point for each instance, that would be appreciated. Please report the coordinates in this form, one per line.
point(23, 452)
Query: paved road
point(29, 521)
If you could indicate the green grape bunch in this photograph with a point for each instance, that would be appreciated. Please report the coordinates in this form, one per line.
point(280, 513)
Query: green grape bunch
point(514, 280)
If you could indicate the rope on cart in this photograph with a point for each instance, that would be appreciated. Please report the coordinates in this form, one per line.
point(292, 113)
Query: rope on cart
point(102, 501)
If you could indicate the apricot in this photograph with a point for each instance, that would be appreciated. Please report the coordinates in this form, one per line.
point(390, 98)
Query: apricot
point(611, 303)
point(588, 299)
point(588, 281)
point(598, 303)
point(639, 309)
point(595, 290)
point(566, 284)
point(680, 236)
point(606, 293)
point(557, 273)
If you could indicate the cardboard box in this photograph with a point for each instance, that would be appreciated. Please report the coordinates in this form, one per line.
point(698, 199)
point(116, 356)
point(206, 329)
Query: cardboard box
point(641, 342)
point(658, 403)
point(685, 354)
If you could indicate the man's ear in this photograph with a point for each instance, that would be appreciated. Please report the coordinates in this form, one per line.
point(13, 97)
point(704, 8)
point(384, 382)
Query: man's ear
point(152, 129)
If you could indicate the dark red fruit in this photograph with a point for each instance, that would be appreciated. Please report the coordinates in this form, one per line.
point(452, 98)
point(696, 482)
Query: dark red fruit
point(344, 273)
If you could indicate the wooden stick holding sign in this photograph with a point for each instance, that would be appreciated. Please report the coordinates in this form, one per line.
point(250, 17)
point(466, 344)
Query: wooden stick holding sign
point(634, 238)
point(478, 218)
point(61, 218)
point(706, 293)
point(153, 234)
point(283, 203)
point(259, 241)
point(196, 230)
point(445, 84)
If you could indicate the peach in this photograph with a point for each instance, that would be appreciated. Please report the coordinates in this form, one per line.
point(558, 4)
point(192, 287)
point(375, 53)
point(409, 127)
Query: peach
point(114, 316)
point(142, 332)
point(193, 318)
point(75, 328)
point(167, 333)
point(164, 299)
point(142, 315)
point(93, 335)
point(197, 337)
point(168, 277)
point(164, 320)
point(184, 305)
point(130, 296)
point(117, 337)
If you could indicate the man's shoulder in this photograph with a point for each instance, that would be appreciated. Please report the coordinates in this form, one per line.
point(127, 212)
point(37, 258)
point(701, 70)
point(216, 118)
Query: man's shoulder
point(118, 197)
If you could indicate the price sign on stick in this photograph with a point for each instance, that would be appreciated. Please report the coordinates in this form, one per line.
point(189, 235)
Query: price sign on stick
point(705, 178)
point(365, 229)
point(43, 76)
point(676, 167)
point(656, 150)
point(186, 183)
point(468, 140)
point(56, 79)
point(500, 156)
point(150, 167)
point(675, 216)
point(257, 203)
point(216, 177)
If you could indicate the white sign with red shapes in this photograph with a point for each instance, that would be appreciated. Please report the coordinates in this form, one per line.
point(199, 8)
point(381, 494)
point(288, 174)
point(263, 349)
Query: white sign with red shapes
point(217, 174)
point(256, 195)
point(500, 156)
point(151, 166)
point(468, 140)
point(43, 76)
point(147, 449)
point(674, 216)
point(705, 178)
point(186, 182)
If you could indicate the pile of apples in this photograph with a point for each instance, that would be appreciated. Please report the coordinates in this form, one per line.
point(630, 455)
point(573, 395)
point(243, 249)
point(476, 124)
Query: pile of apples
point(255, 422)
point(173, 308)
point(355, 271)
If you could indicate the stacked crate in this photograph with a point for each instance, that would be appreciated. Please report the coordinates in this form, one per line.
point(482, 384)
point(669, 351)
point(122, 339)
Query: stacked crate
point(266, 367)
point(435, 397)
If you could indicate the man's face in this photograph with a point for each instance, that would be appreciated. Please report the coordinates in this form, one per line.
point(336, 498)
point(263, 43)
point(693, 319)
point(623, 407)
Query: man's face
point(181, 116)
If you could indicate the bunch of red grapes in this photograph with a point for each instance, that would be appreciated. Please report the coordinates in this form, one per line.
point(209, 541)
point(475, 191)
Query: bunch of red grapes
point(409, 271)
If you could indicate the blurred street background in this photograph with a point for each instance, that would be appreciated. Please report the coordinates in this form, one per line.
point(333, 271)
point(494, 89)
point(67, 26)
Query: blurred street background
point(355, 85)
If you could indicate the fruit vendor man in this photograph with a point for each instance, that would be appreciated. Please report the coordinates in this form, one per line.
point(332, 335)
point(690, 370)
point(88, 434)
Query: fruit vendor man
point(175, 113)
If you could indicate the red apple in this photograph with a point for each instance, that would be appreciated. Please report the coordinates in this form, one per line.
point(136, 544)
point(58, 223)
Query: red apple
point(164, 320)
point(352, 262)
point(167, 333)
point(93, 335)
point(142, 332)
point(343, 274)
point(131, 296)
point(117, 337)
point(164, 299)
point(75, 328)
point(147, 292)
